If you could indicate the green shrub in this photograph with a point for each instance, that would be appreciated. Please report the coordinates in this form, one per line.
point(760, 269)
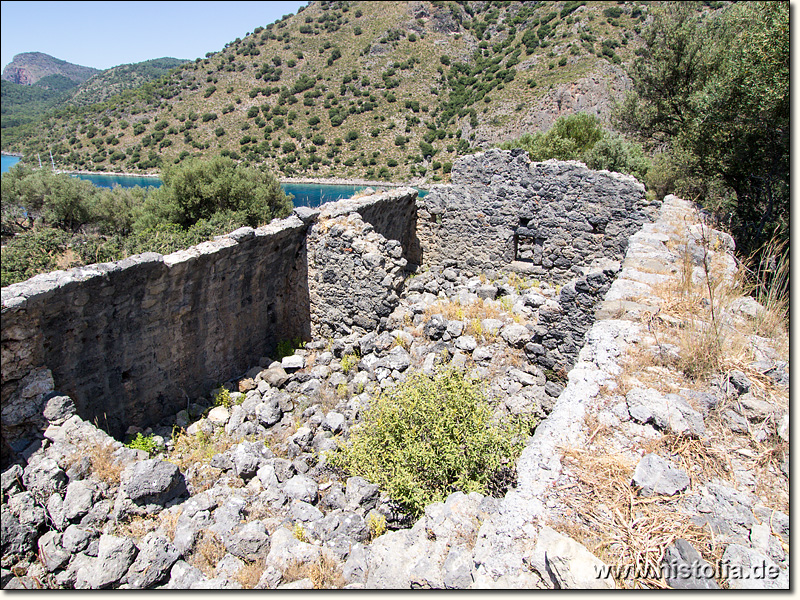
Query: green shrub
point(430, 436)
point(349, 361)
point(377, 525)
point(614, 153)
point(568, 139)
point(199, 189)
point(143, 442)
point(287, 347)
point(223, 398)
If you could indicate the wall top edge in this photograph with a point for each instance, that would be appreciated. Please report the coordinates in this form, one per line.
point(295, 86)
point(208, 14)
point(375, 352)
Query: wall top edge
point(15, 296)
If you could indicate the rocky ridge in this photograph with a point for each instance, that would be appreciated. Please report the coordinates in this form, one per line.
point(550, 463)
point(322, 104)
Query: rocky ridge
point(243, 495)
point(29, 67)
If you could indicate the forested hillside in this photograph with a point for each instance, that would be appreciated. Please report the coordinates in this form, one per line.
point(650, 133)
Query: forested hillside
point(369, 89)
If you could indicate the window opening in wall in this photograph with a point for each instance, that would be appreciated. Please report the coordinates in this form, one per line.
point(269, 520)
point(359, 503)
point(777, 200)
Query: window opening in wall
point(527, 246)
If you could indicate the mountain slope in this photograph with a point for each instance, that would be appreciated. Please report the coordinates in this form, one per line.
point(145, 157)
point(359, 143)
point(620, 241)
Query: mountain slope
point(29, 67)
point(116, 80)
point(362, 89)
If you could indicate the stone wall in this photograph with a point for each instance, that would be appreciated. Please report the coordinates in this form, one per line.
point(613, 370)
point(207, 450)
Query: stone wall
point(131, 341)
point(551, 219)
point(560, 334)
point(354, 275)
point(393, 214)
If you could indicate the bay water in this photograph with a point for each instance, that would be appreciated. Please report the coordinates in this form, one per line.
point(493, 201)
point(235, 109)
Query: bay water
point(305, 194)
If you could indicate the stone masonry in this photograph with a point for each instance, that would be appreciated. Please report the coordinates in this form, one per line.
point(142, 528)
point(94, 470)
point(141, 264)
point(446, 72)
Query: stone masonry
point(550, 219)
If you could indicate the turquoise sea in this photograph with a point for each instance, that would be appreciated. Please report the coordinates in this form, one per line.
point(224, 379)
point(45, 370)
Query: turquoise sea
point(305, 194)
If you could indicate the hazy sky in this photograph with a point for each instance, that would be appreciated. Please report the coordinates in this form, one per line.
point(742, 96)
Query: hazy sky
point(106, 34)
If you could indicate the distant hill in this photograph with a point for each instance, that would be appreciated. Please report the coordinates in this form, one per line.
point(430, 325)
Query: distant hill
point(24, 104)
point(30, 67)
point(387, 90)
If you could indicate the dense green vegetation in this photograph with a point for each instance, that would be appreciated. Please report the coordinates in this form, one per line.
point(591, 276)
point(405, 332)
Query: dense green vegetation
point(430, 436)
point(582, 137)
point(52, 221)
point(713, 95)
point(27, 104)
point(22, 104)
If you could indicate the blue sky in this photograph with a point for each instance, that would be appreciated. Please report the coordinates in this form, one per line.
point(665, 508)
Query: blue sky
point(106, 34)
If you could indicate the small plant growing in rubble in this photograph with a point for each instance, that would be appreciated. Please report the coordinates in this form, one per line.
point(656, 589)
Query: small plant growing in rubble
point(299, 533)
point(143, 442)
point(223, 398)
point(287, 347)
point(377, 525)
point(349, 361)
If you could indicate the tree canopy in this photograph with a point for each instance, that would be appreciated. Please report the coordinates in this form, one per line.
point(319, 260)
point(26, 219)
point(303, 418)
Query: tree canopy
point(54, 221)
point(200, 188)
point(713, 94)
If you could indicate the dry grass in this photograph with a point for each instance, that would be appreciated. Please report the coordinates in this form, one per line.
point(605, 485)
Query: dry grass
point(139, 526)
point(767, 278)
point(249, 575)
point(208, 551)
point(473, 314)
point(189, 451)
point(325, 572)
point(701, 459)
point(201, 447)
point(104, 465)
point(693, 318)
point(362, 194)
point(620, 527)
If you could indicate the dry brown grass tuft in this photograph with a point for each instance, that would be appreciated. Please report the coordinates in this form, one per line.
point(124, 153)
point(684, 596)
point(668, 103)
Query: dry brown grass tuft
point(139, 526)
point(362, 194)
point(699, 458)
point(104, 465)
point(208, 551)
point(249, 575)
point(695, 314)
point(325, 572)
point(620, 527)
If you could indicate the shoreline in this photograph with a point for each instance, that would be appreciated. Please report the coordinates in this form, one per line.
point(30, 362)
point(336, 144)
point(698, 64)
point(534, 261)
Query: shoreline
point(109, 173)
point(342, 181)
point(286, 180)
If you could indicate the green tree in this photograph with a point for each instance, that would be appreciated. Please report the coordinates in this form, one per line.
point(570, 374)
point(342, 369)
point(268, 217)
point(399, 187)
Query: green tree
point(570, 137)
point(197, 189)
point(714, 91)
point(56, 200)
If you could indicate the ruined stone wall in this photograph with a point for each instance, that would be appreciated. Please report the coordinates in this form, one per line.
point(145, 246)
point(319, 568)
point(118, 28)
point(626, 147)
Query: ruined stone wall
point(131, 341)
point(393, 214)
point(551, 219)
point(355, 273)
